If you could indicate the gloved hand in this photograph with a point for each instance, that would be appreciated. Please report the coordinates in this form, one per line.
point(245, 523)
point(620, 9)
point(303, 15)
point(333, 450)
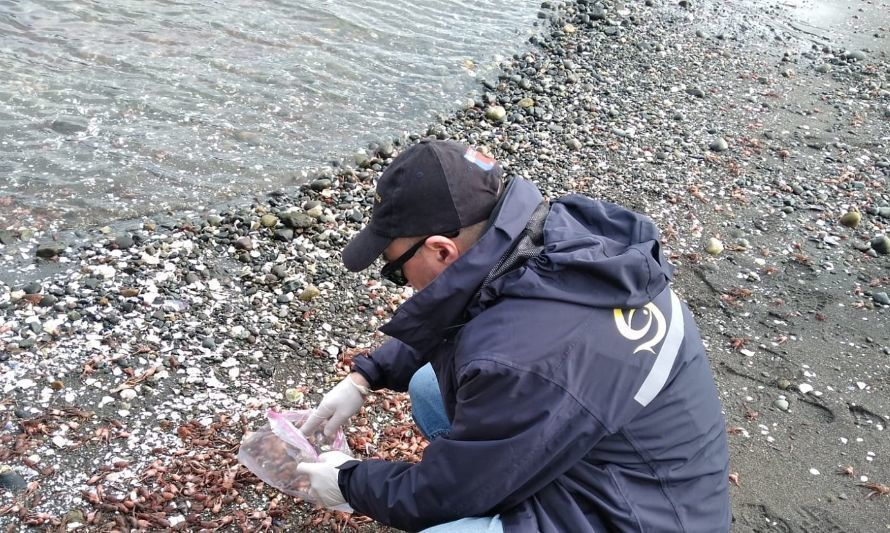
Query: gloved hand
point(323, 477)
point(340, 403)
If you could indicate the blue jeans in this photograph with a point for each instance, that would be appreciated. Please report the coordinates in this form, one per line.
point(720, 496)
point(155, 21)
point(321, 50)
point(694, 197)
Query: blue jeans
point(429, 415)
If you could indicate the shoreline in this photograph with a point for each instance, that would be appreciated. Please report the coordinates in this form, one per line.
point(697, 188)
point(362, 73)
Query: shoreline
point(136, 360)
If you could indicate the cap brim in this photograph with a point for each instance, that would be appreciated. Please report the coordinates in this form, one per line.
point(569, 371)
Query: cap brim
point(363, 249)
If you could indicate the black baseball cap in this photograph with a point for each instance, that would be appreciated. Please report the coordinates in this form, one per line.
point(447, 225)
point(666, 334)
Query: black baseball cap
point(432, 188)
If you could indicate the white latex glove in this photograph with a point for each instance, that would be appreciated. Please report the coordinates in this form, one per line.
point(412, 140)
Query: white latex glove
point(323, 477)
point(340, 403)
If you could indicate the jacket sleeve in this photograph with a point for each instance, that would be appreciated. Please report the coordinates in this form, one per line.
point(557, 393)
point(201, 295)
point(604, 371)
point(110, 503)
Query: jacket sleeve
point(390, 366)
point(513, 433)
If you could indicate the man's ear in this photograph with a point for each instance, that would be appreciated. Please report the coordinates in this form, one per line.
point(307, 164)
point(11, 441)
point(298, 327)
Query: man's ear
point(443, 248)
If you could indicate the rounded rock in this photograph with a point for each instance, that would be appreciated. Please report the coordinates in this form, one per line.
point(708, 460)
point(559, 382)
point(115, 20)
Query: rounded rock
point(495, 113)
point(269, 220)
point(851, 219)
point(781, 404)
point(48, 251)
point(881, 244)
point(11, 480)
point(714, 246)
point(719, 145)
point(243, 243)
point(309, 293)
point(881, 297)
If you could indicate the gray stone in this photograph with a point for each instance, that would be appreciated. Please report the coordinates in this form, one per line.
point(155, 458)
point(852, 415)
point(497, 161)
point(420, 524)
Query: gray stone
point(284, 234)
point(781, 404)
point(48, 251)
point(33, 288)
point(857, 55)
point(123, 241)
point(6, 237)
point(574, 144)
point(881, 298)
point(881, 244)
point(11, 480)
point(385, 149)
point(361, 159)
point(320, 184)
point(280, 271)
point(696, 92)
point(27, 343)
point(719, 145)
point(296, 220)
point(285, 298)
point(243, 243)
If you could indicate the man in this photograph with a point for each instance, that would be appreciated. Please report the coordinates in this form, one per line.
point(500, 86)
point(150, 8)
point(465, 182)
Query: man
point(573, 391)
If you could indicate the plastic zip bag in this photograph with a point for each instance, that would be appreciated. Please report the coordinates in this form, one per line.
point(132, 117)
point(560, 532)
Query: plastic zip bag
point(273, 452)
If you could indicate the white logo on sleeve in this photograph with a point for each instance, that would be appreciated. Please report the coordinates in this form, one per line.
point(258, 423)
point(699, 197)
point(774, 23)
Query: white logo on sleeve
point(625, 325)
point(653, 331)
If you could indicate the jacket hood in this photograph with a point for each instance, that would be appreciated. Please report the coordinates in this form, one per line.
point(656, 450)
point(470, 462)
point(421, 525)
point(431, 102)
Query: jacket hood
point(596, 254)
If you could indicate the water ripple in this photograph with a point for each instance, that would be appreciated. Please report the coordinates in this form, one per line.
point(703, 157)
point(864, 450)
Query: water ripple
point(126, 108)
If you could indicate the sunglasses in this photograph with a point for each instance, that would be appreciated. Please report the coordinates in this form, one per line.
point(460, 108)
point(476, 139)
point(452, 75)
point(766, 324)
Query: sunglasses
point(393, 270)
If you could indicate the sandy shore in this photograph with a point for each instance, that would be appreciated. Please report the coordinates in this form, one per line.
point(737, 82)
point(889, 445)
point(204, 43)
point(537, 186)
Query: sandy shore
point(133, 358)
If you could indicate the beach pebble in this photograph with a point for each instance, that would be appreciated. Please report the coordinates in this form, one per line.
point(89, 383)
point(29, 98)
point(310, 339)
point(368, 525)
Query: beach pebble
point(881, 244)
point(11, 480)
point(495, 113)
point(48, 251)
point(296, 219)
point(805, 388)
point(719, 145)
point(851, 219)
point(269, 220)
point(781, 404)
point(123, 241)
point(243, 243)
point(881, 297)
point(574, 144)
point(714, 246)
point(128, 394)
point(309, 293)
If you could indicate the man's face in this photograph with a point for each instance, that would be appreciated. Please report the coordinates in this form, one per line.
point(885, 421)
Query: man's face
point(430, 259)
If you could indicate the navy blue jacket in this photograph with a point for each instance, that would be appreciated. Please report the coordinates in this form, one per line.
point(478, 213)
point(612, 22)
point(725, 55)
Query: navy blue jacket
point(578, 388)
